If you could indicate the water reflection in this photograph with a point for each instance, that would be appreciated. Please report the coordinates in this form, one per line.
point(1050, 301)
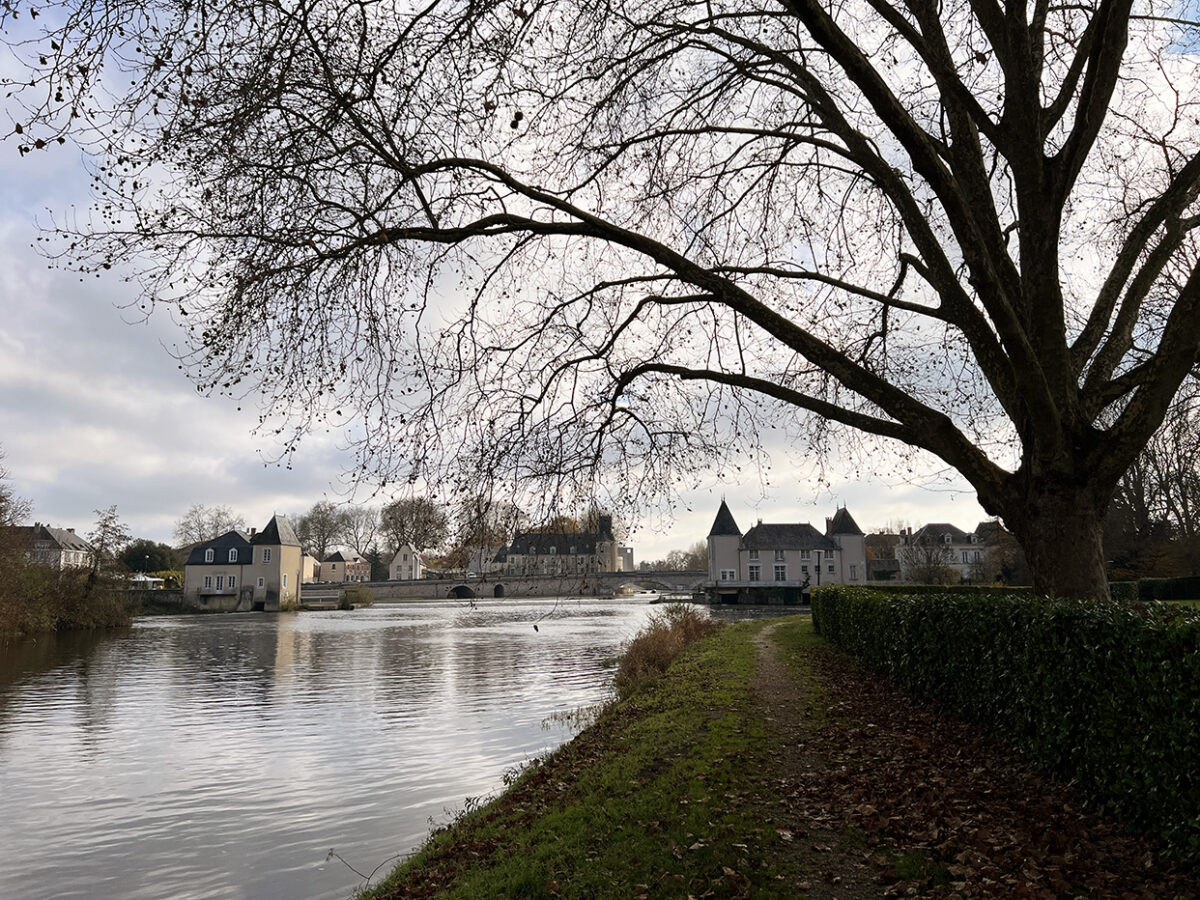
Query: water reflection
point(223, 756)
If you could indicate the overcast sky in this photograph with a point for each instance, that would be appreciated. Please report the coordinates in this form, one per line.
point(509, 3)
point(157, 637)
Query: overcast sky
point(95, 412)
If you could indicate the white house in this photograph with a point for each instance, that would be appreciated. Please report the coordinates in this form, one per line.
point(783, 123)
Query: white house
point(776, 562)
point(406, 564)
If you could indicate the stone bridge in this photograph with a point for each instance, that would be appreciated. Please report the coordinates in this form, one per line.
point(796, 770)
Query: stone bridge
point(594, 584)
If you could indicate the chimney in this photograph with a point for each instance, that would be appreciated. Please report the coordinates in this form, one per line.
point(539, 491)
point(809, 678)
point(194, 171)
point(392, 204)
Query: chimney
point(72, 530)
point(253, 532)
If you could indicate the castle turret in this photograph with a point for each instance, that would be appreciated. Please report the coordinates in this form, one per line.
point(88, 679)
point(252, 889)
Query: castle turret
point(723, 541)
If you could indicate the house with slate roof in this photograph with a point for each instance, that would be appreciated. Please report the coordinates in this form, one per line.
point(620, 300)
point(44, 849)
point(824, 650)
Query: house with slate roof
point(965, 553)
point(236, 571)
point(541, 553)
point(778, 562)
point(58, 548)
point(348, 566)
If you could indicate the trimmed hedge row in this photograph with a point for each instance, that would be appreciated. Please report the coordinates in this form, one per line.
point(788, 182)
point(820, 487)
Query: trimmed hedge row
point(1103, 693)
point(1187, 588)
point(972, 590)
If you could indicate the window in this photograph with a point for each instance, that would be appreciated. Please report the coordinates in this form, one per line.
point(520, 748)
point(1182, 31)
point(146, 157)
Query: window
point(781, 573)
point(964, 556)
point(778, 556)
point(262, 582)
point(208, 555)
point(232, 582)
point(405, 557)
point(754, 554)
point(804, 569)
point(978, 556)
point(831, 568)
point(220, 582)
point(233, 554)
point(572, 549)
point(945, 538)
point(553, 551)
point(755, 573)
point(806, 554)
point(729, 574)
point(285, 579)
point(207, 582)
point(266, 554)
point(853, 572)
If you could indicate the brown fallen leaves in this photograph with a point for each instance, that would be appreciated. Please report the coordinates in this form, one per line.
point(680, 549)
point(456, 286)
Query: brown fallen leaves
point(939, 808)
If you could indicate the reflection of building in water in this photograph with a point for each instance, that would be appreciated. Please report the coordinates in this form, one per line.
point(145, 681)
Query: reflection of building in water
point(256, 571)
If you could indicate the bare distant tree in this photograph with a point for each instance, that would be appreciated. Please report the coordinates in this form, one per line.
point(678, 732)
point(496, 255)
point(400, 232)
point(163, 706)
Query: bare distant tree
point(323, 527)
point(13, 509)
point(668, 238)
point(418, 521)
point(360, 527)
point(108, 538)
point(203, 523)
point(927, 561)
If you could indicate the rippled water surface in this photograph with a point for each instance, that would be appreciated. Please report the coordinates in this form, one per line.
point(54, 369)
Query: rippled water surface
point(225, 756)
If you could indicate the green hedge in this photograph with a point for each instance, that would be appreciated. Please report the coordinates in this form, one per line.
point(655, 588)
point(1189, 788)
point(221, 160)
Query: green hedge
point(1103, 693)
point(1168, 589)
point(970, 590)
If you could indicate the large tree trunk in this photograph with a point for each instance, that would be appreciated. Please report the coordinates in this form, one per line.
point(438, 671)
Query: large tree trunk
point(1061, 529)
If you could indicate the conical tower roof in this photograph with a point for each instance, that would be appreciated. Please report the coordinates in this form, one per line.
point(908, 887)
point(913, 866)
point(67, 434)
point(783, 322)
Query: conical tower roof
point(724, 524)
point(843, 523)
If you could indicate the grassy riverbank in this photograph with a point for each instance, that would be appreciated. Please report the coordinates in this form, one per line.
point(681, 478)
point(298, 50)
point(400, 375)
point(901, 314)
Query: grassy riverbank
point(766, 764)
point(652, 799)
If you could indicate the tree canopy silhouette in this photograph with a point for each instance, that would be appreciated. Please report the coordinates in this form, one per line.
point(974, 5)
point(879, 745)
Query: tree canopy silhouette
point(575, 240)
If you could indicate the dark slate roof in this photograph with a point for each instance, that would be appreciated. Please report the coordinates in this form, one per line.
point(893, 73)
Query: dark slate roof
point(843, 523)
point(988, 531)
point(62, 538)
point(937, 531)
point(65, 539)
point(539, 543)
point(724, 524)
point(800, 536)
point(279, 531)
point(339, 556)
point(220, 547)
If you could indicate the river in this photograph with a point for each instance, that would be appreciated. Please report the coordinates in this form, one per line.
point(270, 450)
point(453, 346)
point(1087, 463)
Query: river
point(225, 756)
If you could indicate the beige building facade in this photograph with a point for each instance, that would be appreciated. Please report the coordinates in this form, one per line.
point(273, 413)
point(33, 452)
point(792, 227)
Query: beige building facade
point(783, 558)
point(236, 571)
point(581, 553)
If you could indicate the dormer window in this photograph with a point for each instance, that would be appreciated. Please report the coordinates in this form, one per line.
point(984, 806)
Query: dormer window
point(946, 538)
point(233, 554)
point(209, 555)
point(553, 551)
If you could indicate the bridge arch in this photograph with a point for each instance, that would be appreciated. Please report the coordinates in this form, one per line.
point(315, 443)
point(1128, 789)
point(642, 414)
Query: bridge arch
point(498, 591)
point(462, 592)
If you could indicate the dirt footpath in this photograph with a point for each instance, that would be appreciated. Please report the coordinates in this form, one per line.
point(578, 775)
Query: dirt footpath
point(881, 797)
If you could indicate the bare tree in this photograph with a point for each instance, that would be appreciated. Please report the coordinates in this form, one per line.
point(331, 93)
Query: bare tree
point(927, 561)
point(13, 509)
point(322, 527)
point(360, 527)
point(108, 538)
point(203, 523)
point(417, 521)
point(677, 236)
